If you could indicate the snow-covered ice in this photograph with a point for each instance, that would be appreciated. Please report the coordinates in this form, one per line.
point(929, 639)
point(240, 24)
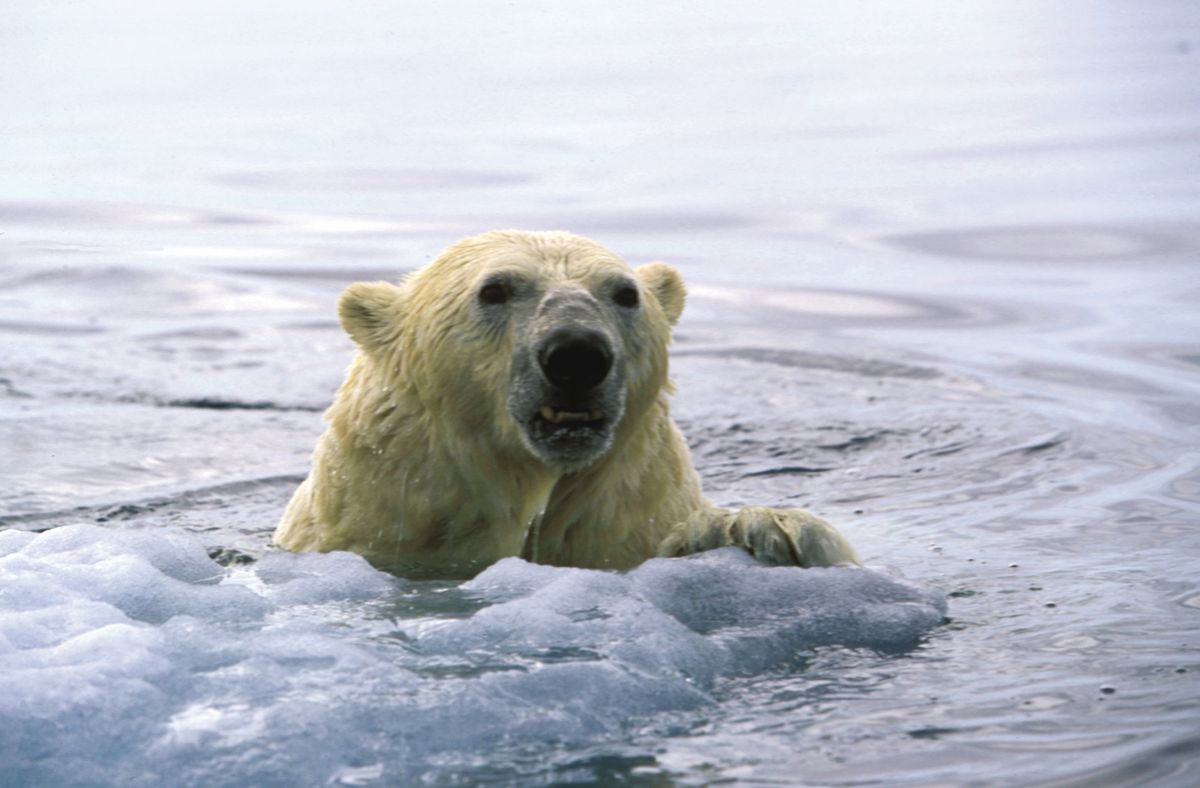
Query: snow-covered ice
point(130, 657)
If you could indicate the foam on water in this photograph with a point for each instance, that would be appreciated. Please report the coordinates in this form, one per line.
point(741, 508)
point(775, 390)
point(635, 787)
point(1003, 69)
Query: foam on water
point(129, 656)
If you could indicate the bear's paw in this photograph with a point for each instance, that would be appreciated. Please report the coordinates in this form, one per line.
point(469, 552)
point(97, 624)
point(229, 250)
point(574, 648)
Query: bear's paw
point(778, 537)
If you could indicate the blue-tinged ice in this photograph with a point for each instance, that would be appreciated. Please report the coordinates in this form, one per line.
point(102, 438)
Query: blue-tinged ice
point(130, 657)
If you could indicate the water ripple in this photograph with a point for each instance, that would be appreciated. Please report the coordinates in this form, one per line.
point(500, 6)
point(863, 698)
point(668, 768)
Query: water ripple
point(357, 179)
point(1061, 243)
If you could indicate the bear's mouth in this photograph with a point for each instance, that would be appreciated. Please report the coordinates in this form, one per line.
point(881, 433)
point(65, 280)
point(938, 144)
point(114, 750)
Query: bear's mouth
point(585, 418)
point(567, 427)
point(568, 437)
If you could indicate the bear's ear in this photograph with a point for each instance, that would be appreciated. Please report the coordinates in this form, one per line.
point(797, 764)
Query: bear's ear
point(370, 313)
point(667, 286)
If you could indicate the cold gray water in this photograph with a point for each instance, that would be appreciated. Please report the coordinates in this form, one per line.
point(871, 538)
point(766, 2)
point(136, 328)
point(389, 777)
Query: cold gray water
point(943, 262)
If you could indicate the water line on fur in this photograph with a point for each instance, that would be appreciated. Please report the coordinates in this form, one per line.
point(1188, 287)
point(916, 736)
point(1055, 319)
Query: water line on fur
point(532, 536)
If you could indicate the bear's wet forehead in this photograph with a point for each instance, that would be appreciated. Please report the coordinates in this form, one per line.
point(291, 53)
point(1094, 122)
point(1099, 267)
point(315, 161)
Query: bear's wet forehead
point(563, 271)
point(567, 265)
point(541, 271)
point(558, 255)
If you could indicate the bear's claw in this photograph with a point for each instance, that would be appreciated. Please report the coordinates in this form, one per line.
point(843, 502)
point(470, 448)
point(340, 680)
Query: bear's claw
point(779, 537)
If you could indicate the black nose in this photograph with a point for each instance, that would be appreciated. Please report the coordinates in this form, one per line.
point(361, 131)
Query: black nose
point(575, 360)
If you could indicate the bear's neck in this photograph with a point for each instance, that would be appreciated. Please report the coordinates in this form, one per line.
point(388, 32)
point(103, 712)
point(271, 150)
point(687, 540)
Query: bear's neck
point(424, 495)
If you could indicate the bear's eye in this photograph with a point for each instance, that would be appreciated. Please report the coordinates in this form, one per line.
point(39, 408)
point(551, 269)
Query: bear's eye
point(494, 293)
point(626, 296)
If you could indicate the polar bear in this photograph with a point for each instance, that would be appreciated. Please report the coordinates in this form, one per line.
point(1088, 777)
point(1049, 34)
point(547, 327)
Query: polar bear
point(510, 399)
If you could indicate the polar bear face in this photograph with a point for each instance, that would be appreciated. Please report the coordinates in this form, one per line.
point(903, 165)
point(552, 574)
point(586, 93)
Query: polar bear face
point(567, 374)
point(541, 344)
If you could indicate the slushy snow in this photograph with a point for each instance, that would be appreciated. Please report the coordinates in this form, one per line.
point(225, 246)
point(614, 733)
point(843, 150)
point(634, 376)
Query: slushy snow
point(131, 658)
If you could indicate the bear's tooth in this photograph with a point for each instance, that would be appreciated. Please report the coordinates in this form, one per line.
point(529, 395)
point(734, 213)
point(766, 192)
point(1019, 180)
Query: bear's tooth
point(559, 416)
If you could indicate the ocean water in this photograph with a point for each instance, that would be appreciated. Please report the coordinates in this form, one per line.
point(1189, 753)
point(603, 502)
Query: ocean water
point(944, 266)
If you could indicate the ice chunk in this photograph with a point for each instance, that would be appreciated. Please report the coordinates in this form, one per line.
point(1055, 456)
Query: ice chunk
point(147, 576)
point(129, 657)
point(726, 591)
point(713, 614)
point(309, 578)
point(11, 540)
point(171, 554)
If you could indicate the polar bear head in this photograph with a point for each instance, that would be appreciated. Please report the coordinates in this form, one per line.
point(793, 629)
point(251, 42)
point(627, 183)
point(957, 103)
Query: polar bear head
point(533, 345)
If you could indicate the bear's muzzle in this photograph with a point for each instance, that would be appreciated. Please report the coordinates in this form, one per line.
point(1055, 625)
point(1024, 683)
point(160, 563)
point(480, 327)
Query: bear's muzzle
point(568, 380)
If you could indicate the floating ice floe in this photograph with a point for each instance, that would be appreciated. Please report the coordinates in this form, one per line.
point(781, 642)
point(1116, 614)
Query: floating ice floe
point(129, 657)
